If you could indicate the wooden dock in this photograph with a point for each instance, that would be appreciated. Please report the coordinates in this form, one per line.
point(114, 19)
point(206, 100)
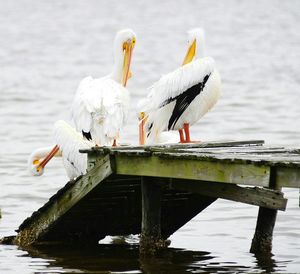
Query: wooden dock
point(155, 190)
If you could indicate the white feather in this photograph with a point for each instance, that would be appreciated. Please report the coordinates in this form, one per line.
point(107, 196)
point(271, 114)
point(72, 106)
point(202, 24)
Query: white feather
point(157, 109)
point(69, 142)
point(176, 82)
point(101, 108)
point(168, 137)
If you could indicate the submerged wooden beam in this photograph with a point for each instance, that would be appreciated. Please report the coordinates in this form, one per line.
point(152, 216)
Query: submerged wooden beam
point(262, 240)
point(180, 168)
point(263, 236)
point(254, 196)
point(76, 190)
point(151, 241)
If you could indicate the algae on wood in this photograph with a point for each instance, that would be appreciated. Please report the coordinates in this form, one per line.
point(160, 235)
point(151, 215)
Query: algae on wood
point(151, 241)
point(262, 239)
point(58, 206)
point(253, 196)
point(245, 174)
point(288, 177)
point(107, 200)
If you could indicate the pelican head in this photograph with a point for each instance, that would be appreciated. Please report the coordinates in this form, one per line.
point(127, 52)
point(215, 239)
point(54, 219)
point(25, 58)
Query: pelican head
point(39, 158)
point(124, 44)
point(195, 45)
point(33, 165)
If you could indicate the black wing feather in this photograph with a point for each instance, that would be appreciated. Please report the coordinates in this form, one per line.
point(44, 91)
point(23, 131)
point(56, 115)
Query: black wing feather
point(87, 135)
point(183, 100)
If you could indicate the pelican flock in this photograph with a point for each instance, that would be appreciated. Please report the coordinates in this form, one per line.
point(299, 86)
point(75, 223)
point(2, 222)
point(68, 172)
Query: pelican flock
point(99, 112)
point(100, 106)
point(180, 98)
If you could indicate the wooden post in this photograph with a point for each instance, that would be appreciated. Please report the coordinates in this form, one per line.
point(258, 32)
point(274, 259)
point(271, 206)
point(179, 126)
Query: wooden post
point(262, 240)
point(151, 241)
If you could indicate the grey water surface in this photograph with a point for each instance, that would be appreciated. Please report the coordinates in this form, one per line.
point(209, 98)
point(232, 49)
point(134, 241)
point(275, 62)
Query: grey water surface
point(47, 47)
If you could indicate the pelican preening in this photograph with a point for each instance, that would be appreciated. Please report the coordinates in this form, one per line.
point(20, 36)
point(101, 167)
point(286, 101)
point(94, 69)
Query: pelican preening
point(99, 110)
point(179, 99)
point(101, 105)
point(69, 142)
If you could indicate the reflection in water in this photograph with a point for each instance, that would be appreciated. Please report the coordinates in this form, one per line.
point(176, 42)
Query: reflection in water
point(90, 259)
point(125, 258)
point(266, 262)
point(175, 261)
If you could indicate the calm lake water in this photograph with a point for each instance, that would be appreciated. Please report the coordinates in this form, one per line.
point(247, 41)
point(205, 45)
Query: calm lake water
point(47, 47)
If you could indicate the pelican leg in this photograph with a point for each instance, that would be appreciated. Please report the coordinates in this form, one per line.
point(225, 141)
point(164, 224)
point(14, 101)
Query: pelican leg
point(186, 128)
point(181, 135)
point(142, 132)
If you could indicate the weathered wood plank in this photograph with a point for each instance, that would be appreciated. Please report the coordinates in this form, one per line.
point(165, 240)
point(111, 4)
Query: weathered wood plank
point(176, 146)
point(245, 174)
point(39, 225)
point(288, 177)
point(225, 152)
point(217, 144)
point(235, 151)
point(253, 196)
point(284, 160)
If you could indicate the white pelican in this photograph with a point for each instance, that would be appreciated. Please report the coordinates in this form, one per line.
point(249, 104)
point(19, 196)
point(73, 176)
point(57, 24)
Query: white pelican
point(69, 141)
point(179, 99)
point(101, 105)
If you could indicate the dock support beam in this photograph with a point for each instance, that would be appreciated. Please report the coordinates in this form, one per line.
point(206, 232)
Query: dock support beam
point(262, 240)
point(151, 241)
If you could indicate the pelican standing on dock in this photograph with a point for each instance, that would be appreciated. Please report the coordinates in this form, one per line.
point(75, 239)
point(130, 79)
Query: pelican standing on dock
point(69, 142)
point(179, 99)
point(101, 105)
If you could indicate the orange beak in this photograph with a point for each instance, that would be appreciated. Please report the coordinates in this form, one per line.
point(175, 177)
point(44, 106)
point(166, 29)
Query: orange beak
point(51, 154)
point(128, 48)
point(190, 54)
